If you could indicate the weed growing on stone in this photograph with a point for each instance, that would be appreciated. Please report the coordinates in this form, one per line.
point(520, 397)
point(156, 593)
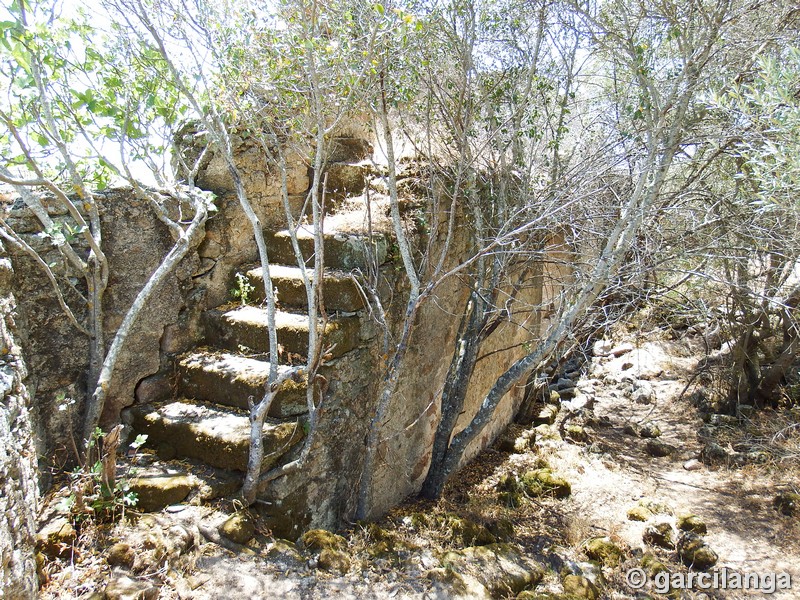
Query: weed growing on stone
point(243, 289)
point(95, 492)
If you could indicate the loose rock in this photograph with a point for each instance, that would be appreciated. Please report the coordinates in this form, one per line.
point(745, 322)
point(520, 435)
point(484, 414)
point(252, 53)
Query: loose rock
point(502, 529)
point(568, 393)
point(713, 453)
point(577, 433)
point(695, 553)
point(629, 429)
point(787, 503)
point(621, 349)
point(650, 431)
point(155, 493)
point(659, 534)
point(546, 416)
point(605, 551)
point(320, 539)
point(565, 384)
point(238, 528)
point(333, 560)
point(286, 552)
point(56, 538)
point(121, 555)
point(658, 449)
point(122, 587)
point(510, 490)
point(580, 587)
point(458, 585)
point(499, 567)
point(541, 482)
point(692, 523)
point(723, 421)
point(692, 465)
point(643, 393)
point(652, 565)
point(639, 513)
point(469, 532)
point(657, 508)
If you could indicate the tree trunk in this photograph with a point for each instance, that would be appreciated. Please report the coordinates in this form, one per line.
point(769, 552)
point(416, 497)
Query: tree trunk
point(95, 409)
point(455, 391)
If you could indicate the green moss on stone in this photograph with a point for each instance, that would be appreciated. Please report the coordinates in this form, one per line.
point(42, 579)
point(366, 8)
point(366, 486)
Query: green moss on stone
point(580, 587)
point(317, 540)
point(604, 550)
point(543, 482)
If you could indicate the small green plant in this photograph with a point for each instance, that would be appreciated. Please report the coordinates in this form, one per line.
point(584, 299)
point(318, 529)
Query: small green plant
point(95, 491)
point(243, 289)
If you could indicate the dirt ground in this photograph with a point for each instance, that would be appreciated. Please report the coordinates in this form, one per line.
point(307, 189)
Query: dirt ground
point(736, 503)
point(595, 443)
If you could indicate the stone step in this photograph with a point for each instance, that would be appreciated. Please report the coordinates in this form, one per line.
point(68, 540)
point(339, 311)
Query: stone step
point(342, 179)
point(160, 482)
point(248, 326)
point(340, 291)
point(343, 250)
point(230, 379)
point(220, 437)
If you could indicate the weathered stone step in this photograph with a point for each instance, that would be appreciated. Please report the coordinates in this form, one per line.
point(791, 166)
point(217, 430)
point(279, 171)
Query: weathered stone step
point(342, 179)
point(340, 291)
point(218, 436)
point(248, 326)
point(343, 251)
point(162, 482)
point(230, 379)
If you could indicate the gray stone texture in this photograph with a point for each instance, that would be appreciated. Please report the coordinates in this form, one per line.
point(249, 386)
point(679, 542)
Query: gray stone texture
point(19, 494)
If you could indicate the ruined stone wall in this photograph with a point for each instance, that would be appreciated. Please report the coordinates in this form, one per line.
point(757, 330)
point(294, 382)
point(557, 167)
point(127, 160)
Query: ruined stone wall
point(229, 235)
point(18, 479)
point(55, 352)
point(406, 437)
point(134, 241)
point(324, 494)
point(408, 432)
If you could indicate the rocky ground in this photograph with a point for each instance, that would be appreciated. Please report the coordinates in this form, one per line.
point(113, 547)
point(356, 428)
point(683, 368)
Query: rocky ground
point(625, 466)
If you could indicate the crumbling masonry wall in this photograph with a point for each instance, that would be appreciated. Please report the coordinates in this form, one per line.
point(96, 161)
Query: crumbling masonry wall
point(324, 493)
point(18, 480)
point(56, 353)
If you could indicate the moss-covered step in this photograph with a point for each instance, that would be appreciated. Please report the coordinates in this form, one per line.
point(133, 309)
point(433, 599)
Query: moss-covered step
point(248, 327)
point(343, 250)
point(218, 436)
point(159, 483)
point(231, 379)
point(340, 290)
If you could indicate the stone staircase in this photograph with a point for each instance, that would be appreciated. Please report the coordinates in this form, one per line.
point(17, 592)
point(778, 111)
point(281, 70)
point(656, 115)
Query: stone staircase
point(202, 432)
